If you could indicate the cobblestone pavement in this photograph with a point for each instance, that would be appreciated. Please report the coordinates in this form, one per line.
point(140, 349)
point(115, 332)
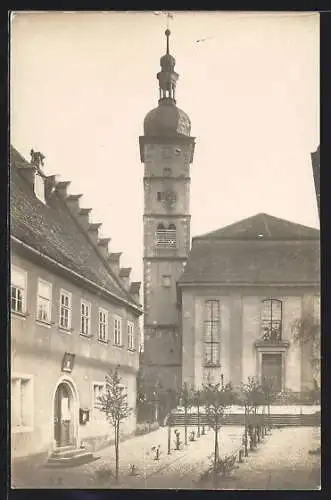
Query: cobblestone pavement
point(182, 465)
point(282, 462)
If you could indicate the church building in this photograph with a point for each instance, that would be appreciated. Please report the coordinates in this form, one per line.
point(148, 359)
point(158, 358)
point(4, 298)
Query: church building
point(231, 304)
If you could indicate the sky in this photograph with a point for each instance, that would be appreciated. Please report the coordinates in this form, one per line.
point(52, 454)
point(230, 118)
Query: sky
point(81, 84)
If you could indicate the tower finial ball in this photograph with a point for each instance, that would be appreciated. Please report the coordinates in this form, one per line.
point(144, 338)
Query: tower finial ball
point(167, 32)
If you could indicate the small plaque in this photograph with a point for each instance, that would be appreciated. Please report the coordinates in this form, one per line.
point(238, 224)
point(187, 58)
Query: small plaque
point(68, 362)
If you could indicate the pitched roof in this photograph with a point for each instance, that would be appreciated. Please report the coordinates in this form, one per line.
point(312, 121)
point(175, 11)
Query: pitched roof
point(286, 253)
point(263, 226)
point(54, 231)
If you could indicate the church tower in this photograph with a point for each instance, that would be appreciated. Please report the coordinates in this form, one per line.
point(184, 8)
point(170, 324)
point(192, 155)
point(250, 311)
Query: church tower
point(166, 150)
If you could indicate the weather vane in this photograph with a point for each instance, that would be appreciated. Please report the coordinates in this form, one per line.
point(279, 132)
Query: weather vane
point(164, 13)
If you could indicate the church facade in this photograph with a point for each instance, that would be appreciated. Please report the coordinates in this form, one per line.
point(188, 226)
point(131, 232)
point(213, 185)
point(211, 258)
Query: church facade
point(233, 303)
point(244, 293)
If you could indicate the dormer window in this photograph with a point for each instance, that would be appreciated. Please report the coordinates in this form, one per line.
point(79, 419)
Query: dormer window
point(39, 187)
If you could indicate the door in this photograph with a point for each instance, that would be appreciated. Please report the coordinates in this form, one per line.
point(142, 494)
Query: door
point(272, 369)
point(63, 415)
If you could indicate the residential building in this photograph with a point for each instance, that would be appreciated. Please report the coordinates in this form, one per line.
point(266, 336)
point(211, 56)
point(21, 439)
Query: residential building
point(74, 317)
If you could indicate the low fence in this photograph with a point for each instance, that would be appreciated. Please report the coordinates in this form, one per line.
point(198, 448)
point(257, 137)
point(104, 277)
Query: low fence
point(276, 420)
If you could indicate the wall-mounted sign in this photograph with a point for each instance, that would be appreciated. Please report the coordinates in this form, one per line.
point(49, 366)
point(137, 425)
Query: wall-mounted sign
point(68, 362)
point(84, 416)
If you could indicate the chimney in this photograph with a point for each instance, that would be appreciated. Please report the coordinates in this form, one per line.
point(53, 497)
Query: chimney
point(134, 291)
point(103, 247)
point(62, 187)
point(124, 274)
point(114, 261)
point(84, 217)
point(72, 202)
point(50, 184)
point(93, 230)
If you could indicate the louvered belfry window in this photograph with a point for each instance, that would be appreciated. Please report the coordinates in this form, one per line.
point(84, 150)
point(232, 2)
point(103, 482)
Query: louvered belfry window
point(166, 236)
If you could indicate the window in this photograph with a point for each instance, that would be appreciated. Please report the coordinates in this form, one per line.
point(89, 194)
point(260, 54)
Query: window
point(103, 325)
point(98, 388)
point(166, 281)
point(85, 318)
point(18, 290)
point(44, 301)
point(167, 172)
point(21, 402)
point(317, 308)
point(118, 331)
point(166, 237)
point(65, 310)
point(212, 333)
point(160, 196)
point(271, 320)
point(130, 336)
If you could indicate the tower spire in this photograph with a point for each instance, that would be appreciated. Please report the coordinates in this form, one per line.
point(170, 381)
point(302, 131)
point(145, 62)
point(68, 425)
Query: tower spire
point(167, 76)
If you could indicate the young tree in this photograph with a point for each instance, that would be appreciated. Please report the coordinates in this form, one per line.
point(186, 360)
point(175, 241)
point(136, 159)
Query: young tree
point(217, 397)
point(269, 394)
point(252, 397)
point(186, 400)
point(307, 330)
point(197, 404)
point(114, 403)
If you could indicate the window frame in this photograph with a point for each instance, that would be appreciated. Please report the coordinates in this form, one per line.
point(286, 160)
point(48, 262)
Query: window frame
point(68, 294)
point(96, 412)
point(41, 300)
point(214, 322)
point(267, 331)
point(105, 324)
point(166, 237)
point(131, 339)
point(117, 331)
point(26, 377)
point(24, 274)
point(88, 304)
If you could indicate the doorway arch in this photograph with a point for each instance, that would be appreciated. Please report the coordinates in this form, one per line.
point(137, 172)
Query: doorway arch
point(65, 422)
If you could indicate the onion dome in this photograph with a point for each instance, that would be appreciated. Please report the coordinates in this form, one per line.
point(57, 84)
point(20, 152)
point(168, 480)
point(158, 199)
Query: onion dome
point(167, 119)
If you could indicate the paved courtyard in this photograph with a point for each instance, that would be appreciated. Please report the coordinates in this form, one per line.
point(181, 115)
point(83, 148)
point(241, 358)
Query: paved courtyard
point(281, 462)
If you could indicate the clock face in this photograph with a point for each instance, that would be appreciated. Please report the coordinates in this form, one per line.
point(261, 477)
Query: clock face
point(170, 198)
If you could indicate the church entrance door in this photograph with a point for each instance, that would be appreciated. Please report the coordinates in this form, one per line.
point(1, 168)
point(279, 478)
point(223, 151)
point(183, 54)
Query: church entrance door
point(272, 369)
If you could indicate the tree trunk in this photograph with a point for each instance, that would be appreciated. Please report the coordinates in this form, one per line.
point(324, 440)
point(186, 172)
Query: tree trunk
point(198, 420)
point(185, 425)
point(169, 437)
point(216, 447)
point(117, 435)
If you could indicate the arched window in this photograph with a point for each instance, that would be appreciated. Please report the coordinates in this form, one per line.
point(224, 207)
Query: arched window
point(166, 237)
point(167, 172)
point(271, 320)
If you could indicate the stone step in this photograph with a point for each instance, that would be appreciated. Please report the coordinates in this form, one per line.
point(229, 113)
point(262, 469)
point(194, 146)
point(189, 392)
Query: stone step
point(69, 458)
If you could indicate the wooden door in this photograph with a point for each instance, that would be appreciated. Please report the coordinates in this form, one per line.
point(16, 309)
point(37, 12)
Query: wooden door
point(272, 369)
point(63, 415)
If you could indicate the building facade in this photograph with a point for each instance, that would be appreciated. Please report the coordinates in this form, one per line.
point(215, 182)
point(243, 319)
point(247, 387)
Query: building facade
point(245, 291)
point(166, 150)
point(74, 317)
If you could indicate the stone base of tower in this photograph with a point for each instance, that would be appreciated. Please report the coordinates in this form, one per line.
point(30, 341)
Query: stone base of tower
point(161, 387)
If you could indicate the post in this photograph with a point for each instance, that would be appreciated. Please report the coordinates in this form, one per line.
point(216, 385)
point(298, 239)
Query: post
point(198, 401)
point(246, 436)
point(185, 424)
point(169, 437)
